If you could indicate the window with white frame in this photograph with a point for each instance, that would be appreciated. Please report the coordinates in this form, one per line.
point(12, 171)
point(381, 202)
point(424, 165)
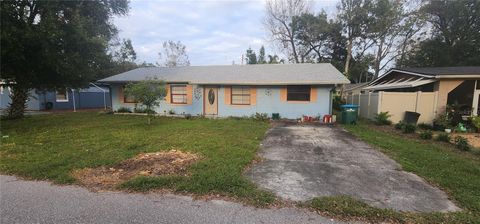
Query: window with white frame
point(61, 95)
point(178, 94)
point(240, 95)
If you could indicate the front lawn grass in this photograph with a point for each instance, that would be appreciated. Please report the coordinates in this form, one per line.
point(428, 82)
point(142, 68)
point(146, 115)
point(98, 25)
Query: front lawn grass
point(350, 208)
point(454, 171)
point(49, 147)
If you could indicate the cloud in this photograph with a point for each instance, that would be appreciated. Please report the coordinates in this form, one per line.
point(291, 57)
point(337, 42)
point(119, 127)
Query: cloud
point(215, 32)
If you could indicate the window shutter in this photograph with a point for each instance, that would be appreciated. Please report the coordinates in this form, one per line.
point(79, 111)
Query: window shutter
point(167, 98)
point(189, 94)
point(313, 94)
point(283, 94)
point(228, 95)
point(253, 95)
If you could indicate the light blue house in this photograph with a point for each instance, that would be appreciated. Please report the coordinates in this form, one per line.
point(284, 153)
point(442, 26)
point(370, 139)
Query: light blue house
point(91, 97)
point(291, 90)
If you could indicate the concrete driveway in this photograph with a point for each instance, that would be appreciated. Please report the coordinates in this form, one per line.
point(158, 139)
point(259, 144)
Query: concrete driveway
point(303, 162)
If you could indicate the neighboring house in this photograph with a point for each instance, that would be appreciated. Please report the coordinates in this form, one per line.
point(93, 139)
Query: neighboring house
point(292, 90)
point(427, 91)
point(61, 99)
point(32, 102)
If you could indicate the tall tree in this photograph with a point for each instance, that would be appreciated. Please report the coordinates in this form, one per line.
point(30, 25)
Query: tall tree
point(122, 59)
point(353, 15)
point(413, 31)
point(312, 34)
point(251, 58)
point(336, 45)
point(386, 25)
point(174, 54)
point(454, 38)
point(359, 70)
point(274, 59)
point(53, 44)
point(261, 56)
point(278, 21)
point(127, 53)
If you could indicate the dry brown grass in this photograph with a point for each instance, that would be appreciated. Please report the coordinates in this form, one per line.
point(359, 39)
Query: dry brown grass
point(173, 162)
point(473, 138)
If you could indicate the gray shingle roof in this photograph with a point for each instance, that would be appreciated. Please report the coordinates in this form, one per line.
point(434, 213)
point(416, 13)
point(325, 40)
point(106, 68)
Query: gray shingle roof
point(277, 74)
point(435, 71)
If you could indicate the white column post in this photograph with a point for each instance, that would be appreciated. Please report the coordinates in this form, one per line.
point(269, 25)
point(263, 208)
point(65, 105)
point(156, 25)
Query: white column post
point(416, 100)
point(359, 100)
point(475, 100)
point(380, 99)
point(435, 102)
point(73, 97)
point(368, 107)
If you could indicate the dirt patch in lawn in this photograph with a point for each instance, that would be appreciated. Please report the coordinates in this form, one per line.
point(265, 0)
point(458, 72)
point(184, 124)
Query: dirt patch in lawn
point(473, 138)
point(173, 162)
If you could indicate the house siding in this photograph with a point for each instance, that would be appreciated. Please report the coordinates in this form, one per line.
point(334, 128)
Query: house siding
point(33, 101)
point(264, 99)
point(269, 100)
point(444, 87)
point(84, 99)
point(193, 108)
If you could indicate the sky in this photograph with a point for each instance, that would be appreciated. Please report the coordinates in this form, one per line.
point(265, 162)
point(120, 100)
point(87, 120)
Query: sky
point(214, 32)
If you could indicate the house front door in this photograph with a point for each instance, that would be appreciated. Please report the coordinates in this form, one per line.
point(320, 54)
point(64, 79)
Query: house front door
point(210, 101)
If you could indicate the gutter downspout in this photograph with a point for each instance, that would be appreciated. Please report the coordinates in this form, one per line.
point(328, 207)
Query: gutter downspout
point(104, 95)
point(330, 109)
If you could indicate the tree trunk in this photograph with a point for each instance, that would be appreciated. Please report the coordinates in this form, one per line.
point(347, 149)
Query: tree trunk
point(17, 107)
point(349, 57)
point(378, 58)
point(402, 55)
point(294, 50)
point(149, 114)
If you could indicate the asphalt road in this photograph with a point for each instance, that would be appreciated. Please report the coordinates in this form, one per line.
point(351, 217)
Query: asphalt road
point(40, 202)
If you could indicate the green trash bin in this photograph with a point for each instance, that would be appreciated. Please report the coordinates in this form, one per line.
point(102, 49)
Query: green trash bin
point(349, 113)
point(275, 116)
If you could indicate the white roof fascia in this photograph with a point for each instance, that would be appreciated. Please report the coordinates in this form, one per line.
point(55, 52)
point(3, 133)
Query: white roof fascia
point(412, 73)
point(274, 83)
point(457, 76)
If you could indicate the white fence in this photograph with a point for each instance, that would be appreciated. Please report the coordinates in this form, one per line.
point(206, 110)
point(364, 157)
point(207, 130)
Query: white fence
point(396, 103)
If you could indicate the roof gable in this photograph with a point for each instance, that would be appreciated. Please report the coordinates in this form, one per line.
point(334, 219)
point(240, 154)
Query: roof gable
point(411, 77)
